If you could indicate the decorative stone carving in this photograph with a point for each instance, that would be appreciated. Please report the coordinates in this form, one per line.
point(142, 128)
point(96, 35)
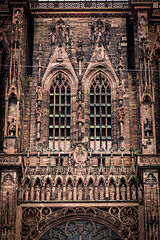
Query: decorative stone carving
point(148, 128)
point(60, 57)
point(37, 192)
point(120, 92)
point(123, 192)
point(133, 192)
point(80, 192)
point(12, 127)
point(39, 93)
point(26, 192)
point(70, 192)
point(121, 113)
point(8, 179)
point(112, 192)
point(101, 192)
point(151, 179)
point(80, 155)
point(38, 119)
point(100, 54)
point(48, 192)
point(59, 192)
point(91, 192)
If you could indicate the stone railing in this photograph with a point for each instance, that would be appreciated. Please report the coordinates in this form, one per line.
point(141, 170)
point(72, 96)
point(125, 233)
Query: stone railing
point(78, 4)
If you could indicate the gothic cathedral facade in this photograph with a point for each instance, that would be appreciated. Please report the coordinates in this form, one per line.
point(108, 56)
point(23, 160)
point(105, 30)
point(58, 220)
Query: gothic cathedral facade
point(79, 120)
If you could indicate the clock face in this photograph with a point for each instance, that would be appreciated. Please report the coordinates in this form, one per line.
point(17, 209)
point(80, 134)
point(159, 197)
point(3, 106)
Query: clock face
point(80, 154)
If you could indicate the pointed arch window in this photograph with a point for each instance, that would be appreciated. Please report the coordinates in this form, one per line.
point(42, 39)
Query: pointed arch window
point(60, 109)
point(100, 111)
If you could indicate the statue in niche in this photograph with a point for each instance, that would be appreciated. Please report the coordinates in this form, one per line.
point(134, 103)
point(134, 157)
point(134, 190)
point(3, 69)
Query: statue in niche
point(100, 54)
point(123, 192)
point(37, 192)
point(52, 36)
point(133, 192)
point(120, 92)
point(48, 192)
point(38, 119)
point(70, 192)
point(26, 193)
point(80, 192)
point(140, 193)
point(143, 27)
point(18, 16)
point(12, 127)
point(38, 114)
point(101, 192)
point(59, 192)
point(91, 192)
point(112, 192)
point(39, 93)
point(148, 128)
point(80, 114)
point(60, 54)
point(121, 113)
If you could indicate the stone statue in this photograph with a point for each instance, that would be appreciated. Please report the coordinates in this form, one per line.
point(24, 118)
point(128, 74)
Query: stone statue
point(112, 192)
point(12, 127)
point(91, 192)
point(70, 192)
point(80, 114)
point(48, 192)
point(37, 192)
point(59, 192)
point(39, 93)
point(80, 192)
point(140, 193)
point(26, 194)
point(123, 192)
point(121, 113)
point(100, 54)
point(38, 119)
point(38, 114)
point(101, 192)
point(133, 192)
point(120, 92)
point(148, 127)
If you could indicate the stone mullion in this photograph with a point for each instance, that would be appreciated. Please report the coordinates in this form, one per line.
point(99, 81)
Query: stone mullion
point(32, 192)
point(96, 193)
point(100, 113)
point(54, 116)
point(94, 118)
point(53, 192)
point(117, 192)
point(64, 192)
point(107, 191)
point(65, 119)
point(75, 193)
point(60, 107)
point(106, 112)
point(128, 192)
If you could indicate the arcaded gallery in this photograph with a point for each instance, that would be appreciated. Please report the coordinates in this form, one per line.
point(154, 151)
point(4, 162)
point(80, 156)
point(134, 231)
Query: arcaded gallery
point(80, 120)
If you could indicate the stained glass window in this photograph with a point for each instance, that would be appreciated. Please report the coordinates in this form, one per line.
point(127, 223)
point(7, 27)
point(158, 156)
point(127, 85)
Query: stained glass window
point(80, 230)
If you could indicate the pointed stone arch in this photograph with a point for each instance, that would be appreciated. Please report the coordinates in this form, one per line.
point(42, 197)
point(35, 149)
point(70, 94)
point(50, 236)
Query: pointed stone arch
point(65, 216)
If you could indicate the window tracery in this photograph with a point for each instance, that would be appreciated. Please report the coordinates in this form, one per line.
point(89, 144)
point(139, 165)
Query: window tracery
point(100, 111)
point(60, 111)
